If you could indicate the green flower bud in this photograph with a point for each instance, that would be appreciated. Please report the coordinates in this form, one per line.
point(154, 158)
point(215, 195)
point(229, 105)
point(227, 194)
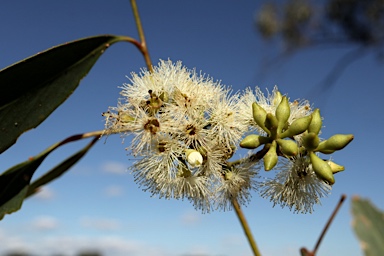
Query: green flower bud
point(270, 158)
point(271, 124)
point(125, 118)
point(288, 147)
point(335, 167)
point(228, 175)
point(164, 96)
point(316, 123)
point(283, 111)
point(336, 142)
point(322, 169)
point(297, 127)
point(277, 99)
point(259, 115)
point(183, 171)
point(253, 141)
point(311, 141)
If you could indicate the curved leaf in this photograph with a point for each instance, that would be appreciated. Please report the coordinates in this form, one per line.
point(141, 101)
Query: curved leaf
point(32, 89)
point(15, 182)
point(60, 169)
point(368, 223)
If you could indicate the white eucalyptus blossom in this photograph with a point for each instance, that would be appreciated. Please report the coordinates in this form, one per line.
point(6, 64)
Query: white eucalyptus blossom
point(295, 186)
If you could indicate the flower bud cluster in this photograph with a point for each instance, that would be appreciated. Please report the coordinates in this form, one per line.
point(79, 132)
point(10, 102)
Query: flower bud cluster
point(281, 137)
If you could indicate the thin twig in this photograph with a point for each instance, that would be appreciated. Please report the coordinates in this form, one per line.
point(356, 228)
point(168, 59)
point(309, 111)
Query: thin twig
point(140, 30)
point(246, 228)
point(328, 223)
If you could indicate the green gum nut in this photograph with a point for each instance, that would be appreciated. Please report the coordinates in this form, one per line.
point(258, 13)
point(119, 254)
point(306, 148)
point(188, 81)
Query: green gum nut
point(335, 167)
point(322, 169)
point(253, 141)
point(311, 141)
point(271, 122)
point(164, 96)
point(288, 147)
point(277, 98)
point(336, 142)
point(228, 175)
point(270, 158)
point(297, 127)
point(316, 123)
point(125, 118)
point(259, 115)
point(283, 111)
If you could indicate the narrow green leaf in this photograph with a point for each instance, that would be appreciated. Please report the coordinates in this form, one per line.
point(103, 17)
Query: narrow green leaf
point(32, 89)
point(15, 182)
point(14, 204)
point(368, 224)
point(60, 169)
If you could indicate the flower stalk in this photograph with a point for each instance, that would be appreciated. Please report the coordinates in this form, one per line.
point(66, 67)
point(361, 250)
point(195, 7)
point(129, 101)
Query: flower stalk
point(246, 229)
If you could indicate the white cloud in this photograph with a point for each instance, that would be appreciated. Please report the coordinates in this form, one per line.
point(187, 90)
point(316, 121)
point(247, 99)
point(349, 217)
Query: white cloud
point(114, 168)
point(72, 245)
point(44, 193)
point(44, 223)
point(114, 190)
point(102, 224)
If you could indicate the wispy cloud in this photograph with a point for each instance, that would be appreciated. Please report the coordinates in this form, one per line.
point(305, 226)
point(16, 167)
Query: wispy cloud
point(44, 223)
point(114, 168)
point(45, 193)
point(114, 191)
point(102, 224)
point(72, 245)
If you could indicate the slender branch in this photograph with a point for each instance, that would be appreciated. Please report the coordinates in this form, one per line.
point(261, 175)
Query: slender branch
point(246, 228)
point(143, 44)
point(253, 158)
point(328, 223)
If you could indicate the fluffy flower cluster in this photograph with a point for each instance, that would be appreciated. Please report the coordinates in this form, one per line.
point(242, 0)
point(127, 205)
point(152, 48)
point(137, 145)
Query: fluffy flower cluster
point(186, 128)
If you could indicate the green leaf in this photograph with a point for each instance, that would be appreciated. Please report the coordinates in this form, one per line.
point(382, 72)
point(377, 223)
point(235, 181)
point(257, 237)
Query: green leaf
point(60, 169)
point(32, 89)
point(15, 182)
point(368, 224)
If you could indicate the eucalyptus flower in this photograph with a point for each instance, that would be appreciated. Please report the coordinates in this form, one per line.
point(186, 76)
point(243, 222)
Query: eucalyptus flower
point(296, 186)
point(186, 127)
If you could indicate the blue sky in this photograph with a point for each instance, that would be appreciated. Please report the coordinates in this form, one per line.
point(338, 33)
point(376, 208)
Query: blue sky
point(97, 204)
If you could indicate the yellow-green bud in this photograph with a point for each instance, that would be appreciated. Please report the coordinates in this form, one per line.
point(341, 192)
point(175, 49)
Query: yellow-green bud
point(183, 171)
point(316, 123)
point(311, 141)
point(335, 167)
point(283, 111)
point(259, 115)
point(253, 141)
point(336, 142)
point(271, 122)
point(270, 158)
point(228, 175)
point(125, 118)
point(297, 127)
point(277, 98)
point(164, 96)
point(322, 169)
point(288, 147)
